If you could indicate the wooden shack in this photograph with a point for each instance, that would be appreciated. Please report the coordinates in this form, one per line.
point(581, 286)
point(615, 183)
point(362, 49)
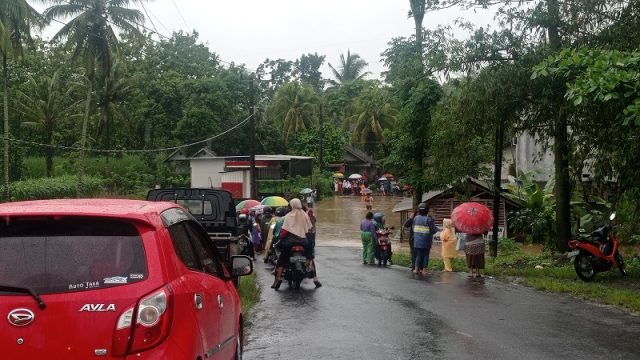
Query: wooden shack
point(442, 203)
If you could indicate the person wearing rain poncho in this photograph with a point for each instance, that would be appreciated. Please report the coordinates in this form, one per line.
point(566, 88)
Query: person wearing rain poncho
point(379, 222)
point(423, 230)
point(294, 229)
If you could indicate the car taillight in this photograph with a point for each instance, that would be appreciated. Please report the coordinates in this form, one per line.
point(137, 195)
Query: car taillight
point(153, 317)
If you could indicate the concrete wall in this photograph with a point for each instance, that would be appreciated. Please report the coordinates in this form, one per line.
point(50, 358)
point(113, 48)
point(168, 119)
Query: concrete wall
point(531, 159)
point(206, 172)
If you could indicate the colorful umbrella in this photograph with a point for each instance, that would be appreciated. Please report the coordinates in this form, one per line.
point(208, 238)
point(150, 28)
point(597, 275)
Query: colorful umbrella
point(355, 176)
point(274, 201)
point(366, 191)
point(472, 218)
point(247, 204)
point(306, 191)
point(383, 179)
point(338, 175)
point(387, 175)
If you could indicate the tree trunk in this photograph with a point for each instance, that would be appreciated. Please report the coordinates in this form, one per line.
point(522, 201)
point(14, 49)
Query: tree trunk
point(5, 85)
point(83, 137)
point(418, 10)
point(50, 149)
point(560, 145)
point(563, 182)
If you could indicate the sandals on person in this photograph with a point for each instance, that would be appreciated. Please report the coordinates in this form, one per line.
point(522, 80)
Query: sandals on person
point(276, 285)
point(317, 283)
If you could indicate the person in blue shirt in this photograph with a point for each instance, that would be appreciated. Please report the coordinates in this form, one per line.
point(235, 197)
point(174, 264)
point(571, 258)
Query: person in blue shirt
point(423, 229)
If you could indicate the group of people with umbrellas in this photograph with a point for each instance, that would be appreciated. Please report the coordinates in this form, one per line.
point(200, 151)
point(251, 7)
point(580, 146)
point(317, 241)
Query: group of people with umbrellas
point(464, 231)
point(274, 216)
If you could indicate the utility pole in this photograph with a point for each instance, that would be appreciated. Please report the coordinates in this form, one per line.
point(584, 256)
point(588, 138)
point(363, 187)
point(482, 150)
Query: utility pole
point(252, 137)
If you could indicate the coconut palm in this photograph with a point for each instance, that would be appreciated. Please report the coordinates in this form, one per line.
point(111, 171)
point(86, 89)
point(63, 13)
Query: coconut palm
point(294, 107)
point(112, 93)
point(374, 113)
point(17, 19)
point(45, 103)
point(92, 37)
point(351, 69)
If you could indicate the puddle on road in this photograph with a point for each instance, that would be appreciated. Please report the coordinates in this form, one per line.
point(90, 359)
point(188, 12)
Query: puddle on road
point(339, 218)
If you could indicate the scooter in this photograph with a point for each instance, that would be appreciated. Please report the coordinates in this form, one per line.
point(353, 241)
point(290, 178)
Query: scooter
point(592, 257)
point(296, 270)
point(384, 247)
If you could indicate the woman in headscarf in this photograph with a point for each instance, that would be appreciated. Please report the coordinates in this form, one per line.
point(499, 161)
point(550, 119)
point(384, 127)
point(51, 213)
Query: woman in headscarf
point(449, 239)
point(294, 230)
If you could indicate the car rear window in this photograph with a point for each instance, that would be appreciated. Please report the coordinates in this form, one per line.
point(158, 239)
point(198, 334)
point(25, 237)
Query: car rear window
point(197, 207)
point(68, 254)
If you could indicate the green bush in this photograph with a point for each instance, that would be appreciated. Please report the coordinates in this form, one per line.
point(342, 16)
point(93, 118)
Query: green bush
point(53, 188)
point(131, 175)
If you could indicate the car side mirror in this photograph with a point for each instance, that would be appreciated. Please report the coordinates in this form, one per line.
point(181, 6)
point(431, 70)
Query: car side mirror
point(241, 265)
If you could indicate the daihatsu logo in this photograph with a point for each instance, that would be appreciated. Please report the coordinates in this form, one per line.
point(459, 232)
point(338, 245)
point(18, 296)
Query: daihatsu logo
point(21, 317)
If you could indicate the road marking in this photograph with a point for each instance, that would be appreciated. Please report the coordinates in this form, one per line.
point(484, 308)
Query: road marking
point(464, 334)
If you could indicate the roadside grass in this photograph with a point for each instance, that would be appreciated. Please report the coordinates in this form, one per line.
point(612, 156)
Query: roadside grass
point(555, 273)
point(249, 295)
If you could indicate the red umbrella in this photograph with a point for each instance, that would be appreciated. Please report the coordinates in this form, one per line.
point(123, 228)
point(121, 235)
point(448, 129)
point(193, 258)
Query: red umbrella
point(472, 218)
point(247, 204)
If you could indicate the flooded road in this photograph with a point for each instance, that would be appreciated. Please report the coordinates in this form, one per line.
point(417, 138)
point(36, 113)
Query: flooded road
point(367, 312)
point(339, 219)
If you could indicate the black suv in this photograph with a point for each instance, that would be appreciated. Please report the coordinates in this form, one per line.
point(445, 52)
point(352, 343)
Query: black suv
point(213, 208)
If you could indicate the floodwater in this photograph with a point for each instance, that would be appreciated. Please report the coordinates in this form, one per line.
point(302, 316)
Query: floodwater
point(339, 218)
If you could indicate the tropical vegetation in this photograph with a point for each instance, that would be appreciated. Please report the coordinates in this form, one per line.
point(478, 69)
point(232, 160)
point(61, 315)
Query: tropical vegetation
point(105, 90)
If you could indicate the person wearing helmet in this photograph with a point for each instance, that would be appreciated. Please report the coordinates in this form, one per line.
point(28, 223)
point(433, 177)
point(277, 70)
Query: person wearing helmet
point(409, 225)
point(268, 246)
point(423, 229)
point(264, 224)
point(243, 230)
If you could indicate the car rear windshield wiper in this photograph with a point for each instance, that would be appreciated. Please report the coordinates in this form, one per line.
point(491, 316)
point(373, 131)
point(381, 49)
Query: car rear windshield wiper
point(24, 290)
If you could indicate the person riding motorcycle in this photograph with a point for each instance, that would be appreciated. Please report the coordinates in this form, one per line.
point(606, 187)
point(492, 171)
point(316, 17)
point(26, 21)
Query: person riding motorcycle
point(268, 246)
point(379, 222)
point(295, 226)
point(243, 229)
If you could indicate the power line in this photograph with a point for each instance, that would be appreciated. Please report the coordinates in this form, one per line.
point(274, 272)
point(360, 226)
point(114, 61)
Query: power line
point(73, 148)
point(144, 8)
point(180, 13)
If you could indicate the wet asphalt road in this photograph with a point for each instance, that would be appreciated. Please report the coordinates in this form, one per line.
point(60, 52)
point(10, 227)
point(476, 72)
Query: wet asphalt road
point(366, 312)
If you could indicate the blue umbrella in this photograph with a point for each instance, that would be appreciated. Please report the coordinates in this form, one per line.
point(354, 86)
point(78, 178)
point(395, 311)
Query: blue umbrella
point(306, 191)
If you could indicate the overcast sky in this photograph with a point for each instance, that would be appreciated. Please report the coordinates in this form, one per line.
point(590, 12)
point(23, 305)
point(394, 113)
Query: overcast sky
point(249, 31)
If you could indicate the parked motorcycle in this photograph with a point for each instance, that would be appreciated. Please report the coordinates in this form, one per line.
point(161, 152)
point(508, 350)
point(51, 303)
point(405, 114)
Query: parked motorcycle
point(296, 270)
point(592, 257)
point(383, 253)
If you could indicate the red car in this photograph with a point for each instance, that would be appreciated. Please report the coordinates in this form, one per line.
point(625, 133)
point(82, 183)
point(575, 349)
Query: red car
point(114, 279)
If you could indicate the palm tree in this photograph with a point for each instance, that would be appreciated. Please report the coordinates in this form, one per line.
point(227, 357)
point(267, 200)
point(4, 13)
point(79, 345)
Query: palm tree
point(294, 106)
point(374, 113)
point(17, 19)
point(44, 104)
point(112, 92)
point(92, 37)
point(351, 69)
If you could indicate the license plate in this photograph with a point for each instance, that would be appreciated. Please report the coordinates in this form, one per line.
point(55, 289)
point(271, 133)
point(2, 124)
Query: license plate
point(298, 259)
point(573, 253)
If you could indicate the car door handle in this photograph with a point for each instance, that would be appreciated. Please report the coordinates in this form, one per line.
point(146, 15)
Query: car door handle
point(198, 302)
point(220, 302)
